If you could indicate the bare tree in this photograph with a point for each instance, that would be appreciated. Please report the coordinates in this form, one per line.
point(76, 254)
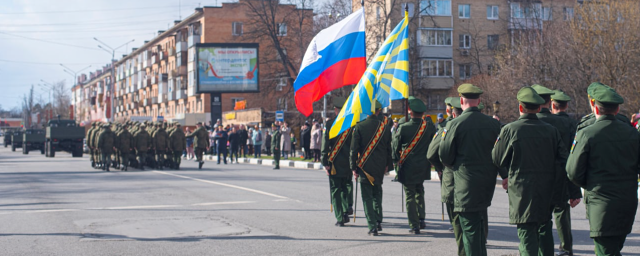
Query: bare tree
point(61, 100)
point(27, 107)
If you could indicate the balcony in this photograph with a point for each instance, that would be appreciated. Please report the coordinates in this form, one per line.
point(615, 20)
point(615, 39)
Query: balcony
point(162, 55)
point(145, 102)
point(191, 91)
point(154, 59)
point(154, 79)
point(182, 71)
point(172, 51)
point(525, 23)
point(145, 63)
point(153, 100)
point(193, 39)
point(181, 94)
point(181, 46)
point(171, 91)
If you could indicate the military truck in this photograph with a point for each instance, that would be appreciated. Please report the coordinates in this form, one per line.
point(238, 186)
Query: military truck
point(63, 135)
point(7, 138)
point(16, 140)
point(33, 139)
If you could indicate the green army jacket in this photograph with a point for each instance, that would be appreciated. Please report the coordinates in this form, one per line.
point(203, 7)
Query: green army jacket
point(380, 160)
point(446, 187)
point(604, 161)
point(124, 141)
point(90, 135)
point(200, 138)
point(275, 140)
point(466, 148)
point(160, 139)
point(142, 140)
point(416, 168)
point(106, 141)
point(177, 140)
point(591, 119)
point(341, 161)
point(527, 152)
point(572, 191)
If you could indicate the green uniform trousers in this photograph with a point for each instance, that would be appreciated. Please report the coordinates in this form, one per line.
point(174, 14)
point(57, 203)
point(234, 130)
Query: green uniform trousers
point(609, 245)
point(350, 189)
point(562, 215)
point(177, 158)
point(414, 203)
point(124, 158)
point(371, 202)
point(536, 239)
point(160, 157)
point(106, 158)
point(276, 158)
point(457, 229)
point(116, 157)
point(339, 196)
point(142, 157)
point(485, 222)
point(472, 233)
point(91, 155)
point(199, 151)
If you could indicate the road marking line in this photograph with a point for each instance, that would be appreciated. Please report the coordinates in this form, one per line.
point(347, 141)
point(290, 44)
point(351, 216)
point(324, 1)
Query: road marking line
point(129, 207)
point(137, 207)
point(55, 210)
point(219, 203)
point(223, 184)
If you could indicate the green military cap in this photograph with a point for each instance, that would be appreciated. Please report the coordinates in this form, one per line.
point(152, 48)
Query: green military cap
point(530, 96)
point(338, 102)
point(593, 86)
point(416, 105)
point(455, 102)
point(481, 106)
point(606, 95)
point(560, 96)
point(541, 90)
point(378, 105)
point(448, 101)
point(469, 91)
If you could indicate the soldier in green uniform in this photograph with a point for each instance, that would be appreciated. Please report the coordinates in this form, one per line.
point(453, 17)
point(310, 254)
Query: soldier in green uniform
point(474, 174)
point(275, 145)
point(591, 118)
point(528, 152)
point(96, 134)
point(90, 144)
point(411, 142)
point(604, 161)
point(160, 144)
point(370, 160)
point(124, 144)
point(446, 173)
point(200, 141)
point(142, 143)
point(106, 141)
point(177, 143)
point(571, 193)
point(335, 159)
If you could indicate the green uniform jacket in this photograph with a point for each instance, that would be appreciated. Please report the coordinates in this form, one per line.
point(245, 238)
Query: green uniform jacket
point(572, 191)
point(275, 140)
point(446, 187)
point(142, 141)
point(177, 140)
point(528, 151)
point(124, 141)
point(416, 168)
point(90, 135)
point(591, 119)
point(160, 140)
point(200, 138)
point(380, 160)
point(604, 161)
point(466, 148)
point(96, 136)
point(341, 161)
point(566, 130)
point(106, 141)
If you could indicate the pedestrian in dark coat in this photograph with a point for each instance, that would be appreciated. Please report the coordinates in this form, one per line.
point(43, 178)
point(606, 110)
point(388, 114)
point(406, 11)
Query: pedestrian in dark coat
point(221, 143)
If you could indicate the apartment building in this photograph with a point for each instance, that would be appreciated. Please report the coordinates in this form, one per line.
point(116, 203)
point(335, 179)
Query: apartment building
point(157, 80)
point(453, 40)
point(90, 96)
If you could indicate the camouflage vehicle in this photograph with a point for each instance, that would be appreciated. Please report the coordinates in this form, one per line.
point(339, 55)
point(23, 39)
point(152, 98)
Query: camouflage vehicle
point(16, 140)
point(33, 139)
point(63, 135)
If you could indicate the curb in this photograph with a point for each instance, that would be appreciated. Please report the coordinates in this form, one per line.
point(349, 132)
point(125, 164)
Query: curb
point(269, 162)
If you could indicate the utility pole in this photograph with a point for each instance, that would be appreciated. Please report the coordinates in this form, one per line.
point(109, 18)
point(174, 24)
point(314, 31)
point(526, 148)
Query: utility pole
point(112, 51)
point(48, 86)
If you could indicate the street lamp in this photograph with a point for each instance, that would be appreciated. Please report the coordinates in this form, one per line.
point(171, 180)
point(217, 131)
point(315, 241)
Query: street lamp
point(112, 51)
point(48, 87)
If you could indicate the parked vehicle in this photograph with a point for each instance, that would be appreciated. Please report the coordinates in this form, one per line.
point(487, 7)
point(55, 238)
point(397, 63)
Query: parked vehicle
point(33, 139)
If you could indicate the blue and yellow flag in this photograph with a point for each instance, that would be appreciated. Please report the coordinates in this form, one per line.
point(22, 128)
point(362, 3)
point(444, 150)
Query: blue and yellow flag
point(386, 79)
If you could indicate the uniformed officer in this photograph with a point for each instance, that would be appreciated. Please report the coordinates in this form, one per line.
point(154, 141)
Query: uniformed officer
point(335, 159)
point(275, 145)
point(571, 193)
point(160, 144)
point(106, 141)
point(411, 142)
point(142, 143)
point(200, 141)
point(370, 160)
point(474, 174)
point(177, 143)
point(90, 143)
point(527, 152)
point(446, 173)
point(604, 161)
point(591, 118)
point(124, 143)
point(96, 134)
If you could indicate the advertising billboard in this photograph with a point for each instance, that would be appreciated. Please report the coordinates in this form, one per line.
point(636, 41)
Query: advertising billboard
point(227, 68)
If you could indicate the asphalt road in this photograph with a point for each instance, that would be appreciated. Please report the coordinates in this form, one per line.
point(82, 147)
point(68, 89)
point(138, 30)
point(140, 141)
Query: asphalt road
point(62, 206)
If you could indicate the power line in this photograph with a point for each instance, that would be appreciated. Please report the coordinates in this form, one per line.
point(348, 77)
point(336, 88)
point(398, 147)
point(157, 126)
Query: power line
point(95, 10)
point(48, 63)
point(127, 17)
point(51, 42)
point(79, 24)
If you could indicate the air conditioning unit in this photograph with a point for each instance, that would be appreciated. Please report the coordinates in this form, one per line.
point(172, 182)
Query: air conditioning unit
point(465, 53)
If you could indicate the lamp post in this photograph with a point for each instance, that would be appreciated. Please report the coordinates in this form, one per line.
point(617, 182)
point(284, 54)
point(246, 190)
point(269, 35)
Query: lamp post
point(48, 87)
point(112, 51)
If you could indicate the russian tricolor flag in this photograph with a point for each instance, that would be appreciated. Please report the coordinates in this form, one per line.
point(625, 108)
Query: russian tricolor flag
point(335, 58)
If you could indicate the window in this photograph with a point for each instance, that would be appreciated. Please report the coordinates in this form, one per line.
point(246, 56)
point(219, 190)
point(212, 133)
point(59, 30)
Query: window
point(547, 13)
point(282, 103)
point(435, 7)
point(234, 100)
point(411, 10)
point(282, 29)
point(435, 101)
point(568, 13)
point(429, 37)
point(437, 68)
point(465, 71)
point(516, 11)
point(465, 41)
point(464, 11)
point(378, 13)
point(493, 41)
point(237, 28)
point(492, 12)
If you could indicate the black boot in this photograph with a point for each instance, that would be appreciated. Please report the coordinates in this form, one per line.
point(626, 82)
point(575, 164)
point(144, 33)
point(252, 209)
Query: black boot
point(200, 164)
point(423, 225)
point(414, 231)
point(350, 210)
point(379, 226)
point(373, 232)
point(339, 224)
point(93, 164)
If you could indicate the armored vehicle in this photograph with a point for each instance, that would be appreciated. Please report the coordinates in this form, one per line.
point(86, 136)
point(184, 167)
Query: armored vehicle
point(63, 135)
point(33, 139)
point(16, 140)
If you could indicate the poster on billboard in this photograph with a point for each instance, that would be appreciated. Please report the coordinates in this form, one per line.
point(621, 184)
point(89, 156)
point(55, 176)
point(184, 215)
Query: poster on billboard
point(227, 68)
